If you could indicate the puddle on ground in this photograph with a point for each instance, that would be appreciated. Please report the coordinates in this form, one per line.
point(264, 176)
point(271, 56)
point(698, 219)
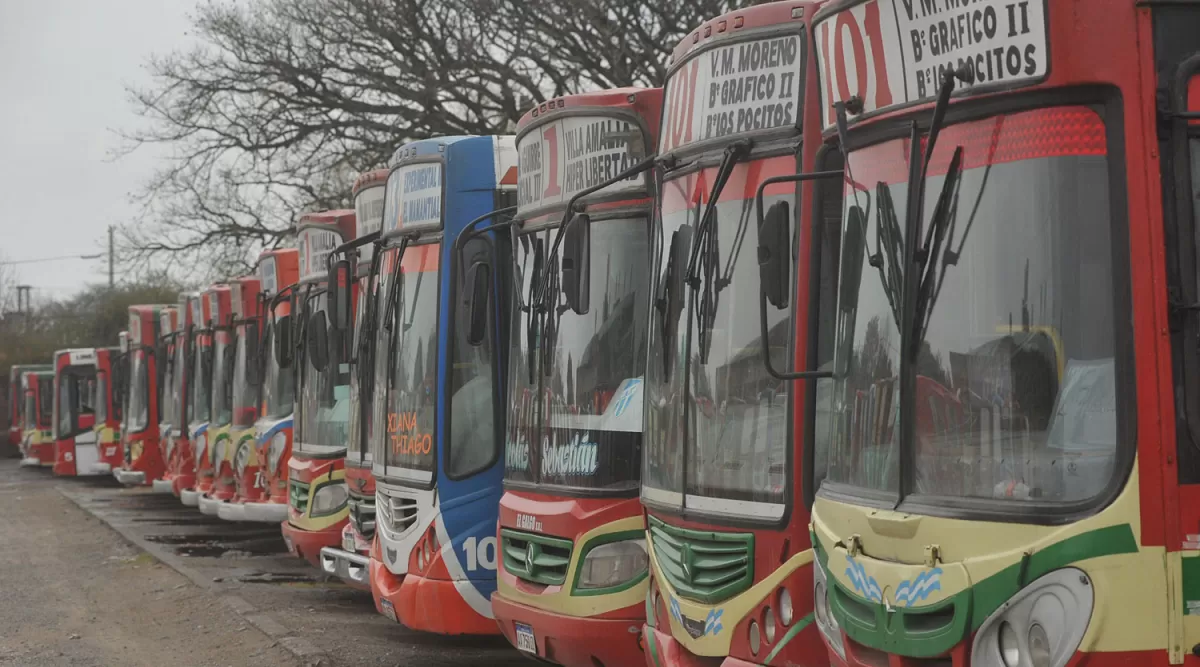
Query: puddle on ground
point(195, 520)
point(216, 546)
point(274, 578)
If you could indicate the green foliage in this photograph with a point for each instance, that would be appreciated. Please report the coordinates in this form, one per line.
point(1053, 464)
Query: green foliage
point(92, 318)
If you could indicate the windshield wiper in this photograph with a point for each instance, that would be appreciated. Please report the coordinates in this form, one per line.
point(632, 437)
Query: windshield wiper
point(534, 312)
point(944, 211)
point(705, 253)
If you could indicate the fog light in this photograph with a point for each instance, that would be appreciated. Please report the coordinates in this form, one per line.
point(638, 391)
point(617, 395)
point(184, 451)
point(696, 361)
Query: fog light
point(755, 640)
point(1039, 646)
point(785, 607)
point(1010, 653)
point(769, 625)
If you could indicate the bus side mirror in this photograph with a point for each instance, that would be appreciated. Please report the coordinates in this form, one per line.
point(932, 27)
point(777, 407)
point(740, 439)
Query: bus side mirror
point(339, 295)
point(774, 254)
point(318, 340)
point(576, 263)
point(476, 292)
point(282, 339)
point(253, 376)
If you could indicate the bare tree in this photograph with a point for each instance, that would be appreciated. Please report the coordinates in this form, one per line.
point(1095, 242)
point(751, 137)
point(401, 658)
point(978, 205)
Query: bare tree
point(281, 102)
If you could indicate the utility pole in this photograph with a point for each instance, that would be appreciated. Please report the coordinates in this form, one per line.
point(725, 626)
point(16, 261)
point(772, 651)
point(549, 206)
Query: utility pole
point(23, 298)
point(111, 246)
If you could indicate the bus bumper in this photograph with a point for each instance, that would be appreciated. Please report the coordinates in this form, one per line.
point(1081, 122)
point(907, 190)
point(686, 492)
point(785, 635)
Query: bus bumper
point(427, 605)
point(189, 497)
point(130, 477)
point(232, 511)
point(307, 544)
point(352, 568)
point(570, 640)
point(662, 650)
point(265, 512)
point(210, 505)
point(164, 486)
point(40, 456)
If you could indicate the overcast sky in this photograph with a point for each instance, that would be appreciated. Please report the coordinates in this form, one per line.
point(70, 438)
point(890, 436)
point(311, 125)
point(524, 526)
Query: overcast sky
point(63, 69)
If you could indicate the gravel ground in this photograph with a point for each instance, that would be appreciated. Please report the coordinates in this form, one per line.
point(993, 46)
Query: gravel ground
point(127, 607)
point(74, 593)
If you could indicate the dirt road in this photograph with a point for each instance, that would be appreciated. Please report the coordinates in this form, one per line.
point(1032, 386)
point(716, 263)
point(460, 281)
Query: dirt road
point(74, 593)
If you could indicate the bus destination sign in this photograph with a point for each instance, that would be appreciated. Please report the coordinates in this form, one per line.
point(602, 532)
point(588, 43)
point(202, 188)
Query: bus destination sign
point(418, 190)
point(559, 159)
point(744, 87)
point(892, 52)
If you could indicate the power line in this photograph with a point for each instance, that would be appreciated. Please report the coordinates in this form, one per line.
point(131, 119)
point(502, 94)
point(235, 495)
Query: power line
point(52, 259)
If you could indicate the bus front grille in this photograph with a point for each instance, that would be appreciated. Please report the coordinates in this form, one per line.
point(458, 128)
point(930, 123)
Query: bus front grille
point(702, 565)
point(538, 559)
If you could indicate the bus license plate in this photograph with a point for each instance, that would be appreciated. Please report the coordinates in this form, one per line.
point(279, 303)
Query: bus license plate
point(388, 610)
point(525, 639)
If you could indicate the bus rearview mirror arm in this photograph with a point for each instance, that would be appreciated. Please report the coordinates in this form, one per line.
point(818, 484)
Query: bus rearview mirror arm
point(774, 255)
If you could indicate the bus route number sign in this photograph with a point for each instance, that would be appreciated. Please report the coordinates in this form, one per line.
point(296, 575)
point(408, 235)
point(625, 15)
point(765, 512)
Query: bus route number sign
point(735, 89)
point(892, 52)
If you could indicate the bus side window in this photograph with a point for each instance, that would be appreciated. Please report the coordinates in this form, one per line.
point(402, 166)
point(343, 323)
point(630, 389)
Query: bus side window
point(826, 223)
point(1186, 205)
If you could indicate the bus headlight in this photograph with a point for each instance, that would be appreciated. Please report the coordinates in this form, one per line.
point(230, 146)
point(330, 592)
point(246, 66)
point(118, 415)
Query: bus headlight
point(1040, 626)
point(275, 450)
point(219, 453)
point(329, 499)
point(613, 564)
point(826, 622)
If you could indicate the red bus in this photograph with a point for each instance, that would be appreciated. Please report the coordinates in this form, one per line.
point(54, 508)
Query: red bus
point(37, 419)
point(193, 450)
point(76, 451)
point(108, 407)
point(179, 347)
point(572, 576)
point(316, 471)
point(246, 299)
point(726, 436)
point(214, 464)
point(278, 271)
point(350, 560)
point(16, 399)
point(140, 440)
point(1018, 254)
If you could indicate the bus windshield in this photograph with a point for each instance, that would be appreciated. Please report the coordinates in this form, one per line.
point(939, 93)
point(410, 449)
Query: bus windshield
point(1014, 336)
point(178, 397)
point(29, 407)
point(220, 407)
point(585, 431)
point(279, 386)
point(139, 393)
point(167, 407)
point(245, 394)
point(324, 396)
point(409, 451)
point(202, 371)
point(45, 401)
point(101, 398)
point(717, 427)
point(74, 401)
point(358, 442)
